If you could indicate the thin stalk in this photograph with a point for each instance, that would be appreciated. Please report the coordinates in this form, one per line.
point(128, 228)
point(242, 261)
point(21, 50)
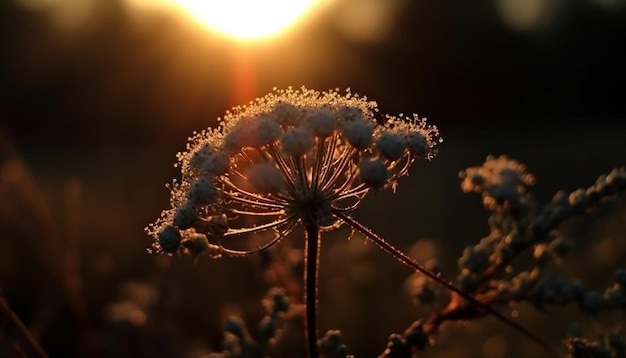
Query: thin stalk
point(8, 313)
point(403, 258)
point(311, 261)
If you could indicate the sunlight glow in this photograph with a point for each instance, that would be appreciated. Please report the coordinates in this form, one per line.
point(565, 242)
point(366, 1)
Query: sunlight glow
point(247, 19)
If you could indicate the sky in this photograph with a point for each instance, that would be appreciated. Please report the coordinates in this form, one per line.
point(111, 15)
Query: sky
point(143, 73)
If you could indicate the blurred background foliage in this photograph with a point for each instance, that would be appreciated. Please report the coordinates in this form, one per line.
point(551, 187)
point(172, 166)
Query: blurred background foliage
point(96, 97)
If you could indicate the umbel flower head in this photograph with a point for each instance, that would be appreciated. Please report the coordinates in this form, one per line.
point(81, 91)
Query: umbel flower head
point(293, 156)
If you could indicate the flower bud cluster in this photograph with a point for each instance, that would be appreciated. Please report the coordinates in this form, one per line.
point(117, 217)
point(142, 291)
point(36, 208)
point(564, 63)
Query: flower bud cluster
point(500, 180)
point(609, 345)
point(332, 346)
point(292, 155)
point(397, 347)
point(277, 305)
point(237, 340)
point(607, 187)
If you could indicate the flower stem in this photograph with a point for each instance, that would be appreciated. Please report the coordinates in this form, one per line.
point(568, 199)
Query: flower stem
point(403, 258)
point(8, 313)
point(311, 260)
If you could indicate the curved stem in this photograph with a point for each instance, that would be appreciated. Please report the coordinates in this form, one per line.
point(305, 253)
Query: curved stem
point(6, 311)
point(311, 260)
point(403, 258)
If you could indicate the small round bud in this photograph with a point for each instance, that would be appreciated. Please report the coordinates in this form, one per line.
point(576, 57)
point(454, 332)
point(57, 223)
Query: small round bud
point(268, 327)
point(620, 277)
point(169, 239)
point(202, 192)
point(239, 136)
point(350, 114)
point(541, 254)
point(391, 145)
point(330, 345)
point(321, 122)
point(511, 176)
point(296, 142)
point(215, 164)
point(287, 114)
point(477, 179)
point(418, 145)
point(416, 337)
point(474, 259)
point(200, 155)
point(358, 133)
point(265, 131)
point(185, 216)
point(397, 347)
point(561, 246)
point(373, 173)
point(265, 178)
point(236, 326)
point(593, 302)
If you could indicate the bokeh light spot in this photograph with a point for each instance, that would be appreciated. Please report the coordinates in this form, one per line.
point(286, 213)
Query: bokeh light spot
point(246, 19)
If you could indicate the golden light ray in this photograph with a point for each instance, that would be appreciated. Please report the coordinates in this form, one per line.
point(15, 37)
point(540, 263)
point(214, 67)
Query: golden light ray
point(247, 19)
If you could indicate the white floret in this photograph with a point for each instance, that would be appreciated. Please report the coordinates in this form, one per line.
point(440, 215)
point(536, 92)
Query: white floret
point(286, 114)
point(391, 145)
point(169, 239)
point(238, 137)
point(202, 192)
point(322, 122)
point(264, 131)
point(265, 178)
point(350, 114)
point(200, 155)
point(215, 164)
point(373, 172)
point(296, 142)
point(418, 144)
point(358, 133)
point(185, 216)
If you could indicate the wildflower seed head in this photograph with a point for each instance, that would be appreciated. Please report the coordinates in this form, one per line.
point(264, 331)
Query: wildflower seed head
point(500, 171)
point(293, 156)
point(500, 180)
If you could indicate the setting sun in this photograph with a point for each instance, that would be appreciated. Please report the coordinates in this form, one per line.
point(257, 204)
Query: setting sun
point(247, 19)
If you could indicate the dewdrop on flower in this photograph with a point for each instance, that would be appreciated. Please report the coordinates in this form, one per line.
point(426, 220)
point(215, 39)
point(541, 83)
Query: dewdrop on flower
point(291, 157)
